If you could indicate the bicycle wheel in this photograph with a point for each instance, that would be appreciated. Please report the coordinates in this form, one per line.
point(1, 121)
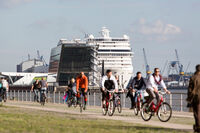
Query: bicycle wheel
point(81, 103)
point(164, 112)
point(119, 106)
point(42, 99)
point(111, 108)
point(136, 110)
point(104, 108)
point(145, 112)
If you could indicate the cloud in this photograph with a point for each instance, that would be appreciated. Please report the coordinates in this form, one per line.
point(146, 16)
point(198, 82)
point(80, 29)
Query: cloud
point(11, 3)
point(158, 27)
point(155, 31)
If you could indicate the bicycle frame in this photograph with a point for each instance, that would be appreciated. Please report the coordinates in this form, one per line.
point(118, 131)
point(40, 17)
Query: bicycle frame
point(155, 108)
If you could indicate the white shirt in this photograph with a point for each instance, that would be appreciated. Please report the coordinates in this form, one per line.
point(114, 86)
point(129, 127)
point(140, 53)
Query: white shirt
point(5, 83)
point(111, 78)
point(152, 83)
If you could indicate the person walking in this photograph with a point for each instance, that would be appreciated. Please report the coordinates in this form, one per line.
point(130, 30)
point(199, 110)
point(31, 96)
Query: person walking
point(36, 89)
point(193, 97)
point(5, 89)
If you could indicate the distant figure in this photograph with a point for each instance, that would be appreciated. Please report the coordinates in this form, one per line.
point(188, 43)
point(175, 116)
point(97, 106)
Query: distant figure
point(5, 88)
point(82, 85)
point(36, 88)
point(135, 84)
point(193, 98)
point(44, 86)
point(72, 88)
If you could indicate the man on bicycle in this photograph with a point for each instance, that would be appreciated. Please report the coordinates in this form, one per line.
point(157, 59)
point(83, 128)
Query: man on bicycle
point(82, 85)
point(155, 80)
point(135, 84)
point(108, 82)
point(44, 86)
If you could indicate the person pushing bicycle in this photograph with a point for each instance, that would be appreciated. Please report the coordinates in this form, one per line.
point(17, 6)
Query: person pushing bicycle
point(155, 80)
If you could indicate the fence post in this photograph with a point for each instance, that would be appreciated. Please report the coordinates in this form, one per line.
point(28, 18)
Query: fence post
point(170, 98)
point(124, 100)
point(22, 95)
point(88, 99)
point(18, 95)
point(54, 97)
point(26, 95)
point(181, 102)
point(14, 96)
point(94, 98)
point(30, 96)
point(59, 97)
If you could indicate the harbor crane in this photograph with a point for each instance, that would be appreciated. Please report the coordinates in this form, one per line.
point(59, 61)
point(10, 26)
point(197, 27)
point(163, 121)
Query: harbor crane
point(148, 72)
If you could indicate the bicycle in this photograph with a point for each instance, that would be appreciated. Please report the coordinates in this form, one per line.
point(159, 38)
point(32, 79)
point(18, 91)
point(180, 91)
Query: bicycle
point(72, 101)
point(163, 110)
point(108, 104)
point(81, 101)
point(139, 102)
point(43, 97)
point(118, 101)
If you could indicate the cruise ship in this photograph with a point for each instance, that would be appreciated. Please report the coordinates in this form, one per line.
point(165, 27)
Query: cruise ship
point(93, 55)
point(116, 54)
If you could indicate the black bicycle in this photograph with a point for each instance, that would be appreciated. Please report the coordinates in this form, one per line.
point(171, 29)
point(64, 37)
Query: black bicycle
point(72, 101)
point(81, 101)
point(42, 98)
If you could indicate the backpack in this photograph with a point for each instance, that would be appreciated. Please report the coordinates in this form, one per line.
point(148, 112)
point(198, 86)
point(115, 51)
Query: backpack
point(1, 85)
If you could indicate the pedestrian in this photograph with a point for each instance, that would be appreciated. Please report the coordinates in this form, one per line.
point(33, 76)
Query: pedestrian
point(36, 89)
point(5, 88)
point(193, 98)
point(44, 86)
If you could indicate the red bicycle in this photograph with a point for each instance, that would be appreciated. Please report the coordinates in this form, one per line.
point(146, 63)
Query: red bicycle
point(138, 104)
point(163, 110)
point(108, 104)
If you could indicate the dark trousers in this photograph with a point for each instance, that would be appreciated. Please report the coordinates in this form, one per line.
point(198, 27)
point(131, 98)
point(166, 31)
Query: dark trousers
point(196, 110)
point(132, 98)
point(152, 96)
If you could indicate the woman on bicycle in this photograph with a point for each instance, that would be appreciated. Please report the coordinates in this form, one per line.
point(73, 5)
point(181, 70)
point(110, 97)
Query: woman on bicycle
point(155, 80)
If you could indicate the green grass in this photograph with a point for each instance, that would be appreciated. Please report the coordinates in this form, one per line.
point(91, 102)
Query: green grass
point(18, 120)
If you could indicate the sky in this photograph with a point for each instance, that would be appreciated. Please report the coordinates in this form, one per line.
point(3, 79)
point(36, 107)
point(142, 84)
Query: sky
point(158, 26)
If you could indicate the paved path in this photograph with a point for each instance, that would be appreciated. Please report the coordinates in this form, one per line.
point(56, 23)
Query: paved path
point(95, 112)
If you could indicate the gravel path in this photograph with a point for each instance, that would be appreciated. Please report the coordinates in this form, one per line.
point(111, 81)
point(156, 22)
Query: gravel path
point(95, 112)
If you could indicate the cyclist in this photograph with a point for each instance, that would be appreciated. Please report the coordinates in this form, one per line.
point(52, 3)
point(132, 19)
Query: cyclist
point(82, 85)
point(154, 82)
point(135, 85)
point(72, 89)
point(108, 82)
point(44, 86)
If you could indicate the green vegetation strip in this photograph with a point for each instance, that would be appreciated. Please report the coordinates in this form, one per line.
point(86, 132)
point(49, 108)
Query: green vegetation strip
point(19, 120)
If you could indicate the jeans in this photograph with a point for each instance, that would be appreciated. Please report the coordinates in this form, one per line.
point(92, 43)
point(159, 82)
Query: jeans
point(138, 93)
point(36, 91)
point(44, 91)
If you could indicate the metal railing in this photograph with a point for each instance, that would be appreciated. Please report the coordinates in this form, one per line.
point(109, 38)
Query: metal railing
point(176, 100)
